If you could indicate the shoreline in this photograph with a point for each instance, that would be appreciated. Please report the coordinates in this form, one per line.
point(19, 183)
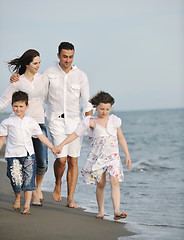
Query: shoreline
point(53, 220)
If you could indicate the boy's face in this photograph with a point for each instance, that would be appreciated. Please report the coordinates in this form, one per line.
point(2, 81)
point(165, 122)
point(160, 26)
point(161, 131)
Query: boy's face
point(19, 108)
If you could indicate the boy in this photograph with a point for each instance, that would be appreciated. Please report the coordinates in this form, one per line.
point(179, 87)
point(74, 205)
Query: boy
point(18, 131)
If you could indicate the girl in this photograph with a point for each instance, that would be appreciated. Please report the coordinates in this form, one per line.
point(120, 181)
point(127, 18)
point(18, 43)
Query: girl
point(103, 162)
point(31, 82)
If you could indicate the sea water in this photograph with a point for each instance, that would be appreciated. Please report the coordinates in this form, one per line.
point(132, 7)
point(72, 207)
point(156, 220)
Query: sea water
point(152, 193)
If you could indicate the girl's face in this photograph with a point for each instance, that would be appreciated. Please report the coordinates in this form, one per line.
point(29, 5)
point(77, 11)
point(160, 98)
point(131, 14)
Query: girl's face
point(34, 66)
point(103, 110)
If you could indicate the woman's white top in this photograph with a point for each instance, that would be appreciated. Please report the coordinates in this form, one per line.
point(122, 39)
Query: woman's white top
point(36, 94)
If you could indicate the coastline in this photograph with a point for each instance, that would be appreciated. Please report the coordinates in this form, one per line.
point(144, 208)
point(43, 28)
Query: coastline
point(53, 220)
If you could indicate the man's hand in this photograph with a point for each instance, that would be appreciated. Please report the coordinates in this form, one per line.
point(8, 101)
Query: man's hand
point(14, 78)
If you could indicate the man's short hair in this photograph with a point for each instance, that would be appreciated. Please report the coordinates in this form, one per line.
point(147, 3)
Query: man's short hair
point(65, 45)
point(20, 96)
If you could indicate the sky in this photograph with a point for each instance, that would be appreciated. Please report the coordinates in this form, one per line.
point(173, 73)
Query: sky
point(133, 49)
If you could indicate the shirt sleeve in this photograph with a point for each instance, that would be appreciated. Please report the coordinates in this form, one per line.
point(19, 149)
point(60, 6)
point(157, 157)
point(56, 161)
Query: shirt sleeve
point(3, 128)
point(46, 85)
point(86, 105)
point(83, 127)
point(118, 122)
point(6, 98)
point(36, 129)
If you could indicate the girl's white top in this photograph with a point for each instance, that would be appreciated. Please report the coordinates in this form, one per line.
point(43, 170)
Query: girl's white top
point(113, 123)
point(35, 91)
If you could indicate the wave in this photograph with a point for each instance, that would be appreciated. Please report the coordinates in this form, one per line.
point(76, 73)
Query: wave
point(147, 165)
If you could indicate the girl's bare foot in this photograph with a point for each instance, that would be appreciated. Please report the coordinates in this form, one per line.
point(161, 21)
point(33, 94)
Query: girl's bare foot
point(26, 211)
point(100, 216)
point(119, 216)
point(57, 193)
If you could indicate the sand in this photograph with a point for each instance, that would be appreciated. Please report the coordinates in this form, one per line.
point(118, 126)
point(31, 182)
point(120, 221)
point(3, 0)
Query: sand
point(52, 221)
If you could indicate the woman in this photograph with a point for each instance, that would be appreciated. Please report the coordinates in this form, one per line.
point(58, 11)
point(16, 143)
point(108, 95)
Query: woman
point(31, 82)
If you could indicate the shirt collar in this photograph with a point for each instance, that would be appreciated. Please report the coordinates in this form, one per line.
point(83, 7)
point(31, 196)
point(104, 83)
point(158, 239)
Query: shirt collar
point(15, 116)
point(24, 77)
point(74, 67)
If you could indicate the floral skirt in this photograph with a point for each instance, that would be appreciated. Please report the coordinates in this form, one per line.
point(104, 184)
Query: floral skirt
point(103, 157)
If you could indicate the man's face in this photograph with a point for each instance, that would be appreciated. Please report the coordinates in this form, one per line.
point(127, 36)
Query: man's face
point(66, 59)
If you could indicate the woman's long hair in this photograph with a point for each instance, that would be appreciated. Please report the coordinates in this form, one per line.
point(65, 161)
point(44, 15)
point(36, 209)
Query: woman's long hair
point(18, 65)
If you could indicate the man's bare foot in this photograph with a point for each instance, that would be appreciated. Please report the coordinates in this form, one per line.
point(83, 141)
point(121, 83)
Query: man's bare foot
point(16, 205)
point(71, 204)
point(57, 194)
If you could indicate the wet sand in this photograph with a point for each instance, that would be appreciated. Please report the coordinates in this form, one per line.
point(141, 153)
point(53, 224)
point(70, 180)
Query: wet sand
point(51, 221)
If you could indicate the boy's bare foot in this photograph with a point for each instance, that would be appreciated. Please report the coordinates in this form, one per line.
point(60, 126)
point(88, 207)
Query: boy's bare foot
point(100, 216)
point(71, 204)
point(16, 205)
point(57, 194)
point(26, 211)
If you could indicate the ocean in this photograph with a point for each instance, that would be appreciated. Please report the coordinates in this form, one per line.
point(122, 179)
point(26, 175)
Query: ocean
point(152, 193)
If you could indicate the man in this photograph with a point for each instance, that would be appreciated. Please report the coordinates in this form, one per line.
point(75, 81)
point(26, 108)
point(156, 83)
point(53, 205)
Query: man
point(66, 85)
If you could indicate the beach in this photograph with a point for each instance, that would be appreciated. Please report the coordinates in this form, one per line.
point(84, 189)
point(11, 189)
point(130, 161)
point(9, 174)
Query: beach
point(152, 192)
point(51, 221)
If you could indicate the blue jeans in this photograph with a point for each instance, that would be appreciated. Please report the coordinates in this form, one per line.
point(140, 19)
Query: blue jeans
point(21, 172)
point(41, 153)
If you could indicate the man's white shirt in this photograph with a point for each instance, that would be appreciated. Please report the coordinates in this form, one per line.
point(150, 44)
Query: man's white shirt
point(65, 92)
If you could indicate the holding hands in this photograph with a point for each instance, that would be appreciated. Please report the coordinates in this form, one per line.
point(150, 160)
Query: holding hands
point(55, 150)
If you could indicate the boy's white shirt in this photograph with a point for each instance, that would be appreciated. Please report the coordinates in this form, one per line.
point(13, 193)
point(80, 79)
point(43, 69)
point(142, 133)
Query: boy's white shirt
point(19, 134)
point(113, 123)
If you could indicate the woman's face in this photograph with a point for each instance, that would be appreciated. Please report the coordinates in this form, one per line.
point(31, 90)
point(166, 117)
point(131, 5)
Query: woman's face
point(34, 66)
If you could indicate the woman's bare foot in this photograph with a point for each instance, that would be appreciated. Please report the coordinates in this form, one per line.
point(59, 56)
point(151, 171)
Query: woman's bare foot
point(16, 205)
point(35, 199)
point(39, 194)
point(57, 193)
point(26, 211)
